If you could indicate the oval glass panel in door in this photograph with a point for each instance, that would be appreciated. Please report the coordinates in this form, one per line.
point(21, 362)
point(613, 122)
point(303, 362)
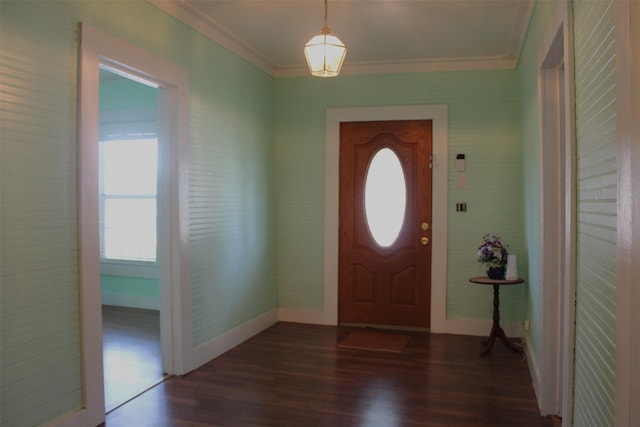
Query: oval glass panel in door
point(385, 197)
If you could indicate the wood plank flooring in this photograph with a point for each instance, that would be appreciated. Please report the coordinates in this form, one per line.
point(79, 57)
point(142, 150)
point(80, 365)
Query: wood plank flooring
point(131, 352)
point(295, 375)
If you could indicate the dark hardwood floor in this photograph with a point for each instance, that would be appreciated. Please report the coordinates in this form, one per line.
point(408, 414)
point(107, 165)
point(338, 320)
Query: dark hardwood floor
point(295, 375)
point(132, 355)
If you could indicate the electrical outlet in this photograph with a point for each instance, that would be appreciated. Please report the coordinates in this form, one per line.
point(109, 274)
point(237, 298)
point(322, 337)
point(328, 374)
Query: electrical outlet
point(461, 207)
point(527, 325)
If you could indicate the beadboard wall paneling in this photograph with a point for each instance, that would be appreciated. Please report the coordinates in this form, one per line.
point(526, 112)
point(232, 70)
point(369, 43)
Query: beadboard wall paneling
point(232, 199)
point(39, 318)
point(231, 190)
point(531, 164)
point(483, 124)
point(597, 178)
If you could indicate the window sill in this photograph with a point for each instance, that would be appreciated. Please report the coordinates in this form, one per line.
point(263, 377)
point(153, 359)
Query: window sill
point(142, 269)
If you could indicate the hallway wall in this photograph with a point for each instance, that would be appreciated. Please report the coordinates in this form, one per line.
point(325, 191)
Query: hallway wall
point(596, 134)
point(231, 191)
point(596, 163)
point(483, 109)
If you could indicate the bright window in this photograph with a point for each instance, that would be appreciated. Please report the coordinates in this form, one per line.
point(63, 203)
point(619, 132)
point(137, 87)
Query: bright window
point(128, 189)
point(385, 197)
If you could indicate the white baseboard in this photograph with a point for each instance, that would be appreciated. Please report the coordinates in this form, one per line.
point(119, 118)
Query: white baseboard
point(476, 327)
point(472, 327)
point(534, 367)
point(225, 342)
point(132, 301)
point(76, 419)
point(296, 315)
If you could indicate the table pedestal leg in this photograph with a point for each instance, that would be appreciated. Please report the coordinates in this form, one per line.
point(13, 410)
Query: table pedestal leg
point(496, 330)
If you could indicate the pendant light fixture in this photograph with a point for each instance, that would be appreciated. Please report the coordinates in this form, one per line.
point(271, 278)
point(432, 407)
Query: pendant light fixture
point(325, 52)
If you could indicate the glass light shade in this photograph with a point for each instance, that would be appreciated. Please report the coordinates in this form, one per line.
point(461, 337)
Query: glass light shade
point(325, 54)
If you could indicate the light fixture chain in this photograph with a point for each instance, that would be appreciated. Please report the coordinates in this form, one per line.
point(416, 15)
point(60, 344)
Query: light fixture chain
point(326, 12)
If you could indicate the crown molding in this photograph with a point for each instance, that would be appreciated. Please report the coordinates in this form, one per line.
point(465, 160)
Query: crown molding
point(214, 31)
point(461, 64)
point(520, 27)
point(186, 14)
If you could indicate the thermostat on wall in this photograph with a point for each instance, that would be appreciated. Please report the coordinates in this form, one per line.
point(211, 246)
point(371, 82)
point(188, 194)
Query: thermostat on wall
point(460, 163)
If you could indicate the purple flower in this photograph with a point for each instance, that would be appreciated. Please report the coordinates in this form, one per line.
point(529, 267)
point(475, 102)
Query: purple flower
point(493, 251)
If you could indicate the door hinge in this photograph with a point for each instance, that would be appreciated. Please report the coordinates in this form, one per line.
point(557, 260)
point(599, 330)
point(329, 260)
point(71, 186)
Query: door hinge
point(431, 162)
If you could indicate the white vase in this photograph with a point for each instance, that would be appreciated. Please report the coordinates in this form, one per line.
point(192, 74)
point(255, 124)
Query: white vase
point(512, 267)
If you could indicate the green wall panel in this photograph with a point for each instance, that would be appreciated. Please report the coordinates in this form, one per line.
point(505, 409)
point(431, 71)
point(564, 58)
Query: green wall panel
point(130, 286)
point(127, 94)
point(597, 207)
point(531, 164)
point(231, 190)
point(483, 124)
point(256, 188)
point(40, 371)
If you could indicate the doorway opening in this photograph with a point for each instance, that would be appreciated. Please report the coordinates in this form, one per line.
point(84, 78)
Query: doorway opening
point(558, 225)
point(128, 209)
point(123, 259)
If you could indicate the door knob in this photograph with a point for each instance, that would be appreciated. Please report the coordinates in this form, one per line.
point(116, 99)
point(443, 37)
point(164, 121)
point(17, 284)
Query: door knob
point(424, 241)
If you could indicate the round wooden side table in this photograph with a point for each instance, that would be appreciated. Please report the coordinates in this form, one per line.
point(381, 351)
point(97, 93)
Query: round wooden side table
point(496, 329)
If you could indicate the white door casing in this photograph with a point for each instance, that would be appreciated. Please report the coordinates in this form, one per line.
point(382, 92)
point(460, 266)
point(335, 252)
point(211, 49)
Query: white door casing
point(554, 376)
point(96, 49)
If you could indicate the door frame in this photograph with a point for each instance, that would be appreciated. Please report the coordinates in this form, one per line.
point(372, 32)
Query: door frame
point(627, 369)
point(98, 48)
point(438, 113)
point(554, 374)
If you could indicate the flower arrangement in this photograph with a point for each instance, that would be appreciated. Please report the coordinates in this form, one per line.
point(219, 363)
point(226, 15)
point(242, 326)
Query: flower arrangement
point(492, 252)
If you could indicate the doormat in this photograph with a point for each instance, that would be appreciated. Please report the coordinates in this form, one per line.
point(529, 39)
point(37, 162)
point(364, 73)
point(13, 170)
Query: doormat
point(375, 341)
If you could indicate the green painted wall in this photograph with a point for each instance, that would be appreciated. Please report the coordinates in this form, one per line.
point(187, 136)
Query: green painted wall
point(231, 190)
point(40, 368)
point(132, 286)
point(596, 212)
point(531, 166)
point(256, 189)
point(483, 124)
point(596, 200)
point(127, 94)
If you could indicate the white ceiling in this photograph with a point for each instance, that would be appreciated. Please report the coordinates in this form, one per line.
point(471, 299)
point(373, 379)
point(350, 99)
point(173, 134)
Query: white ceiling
point(381, 35)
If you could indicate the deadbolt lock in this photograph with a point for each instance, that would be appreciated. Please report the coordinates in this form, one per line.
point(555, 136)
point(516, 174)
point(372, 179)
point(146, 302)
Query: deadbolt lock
point(424, 226)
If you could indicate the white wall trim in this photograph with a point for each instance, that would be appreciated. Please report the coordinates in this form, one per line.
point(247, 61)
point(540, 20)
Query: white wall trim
point(191, 16)
point(473, 327)
point(555, 358)
point(98, 48)
point(627, 370)
point(482, 328)
point(552, 239)
point(570, 221)
point(439, 115)
point(230, 339)
point(361, 68)
point(143, 270)
point(185, 13)
point(300, 315)
point(532, 362)
point(88, 226)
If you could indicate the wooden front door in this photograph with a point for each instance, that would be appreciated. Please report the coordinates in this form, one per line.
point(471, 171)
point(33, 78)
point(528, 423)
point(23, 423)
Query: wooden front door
point(384, 275)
